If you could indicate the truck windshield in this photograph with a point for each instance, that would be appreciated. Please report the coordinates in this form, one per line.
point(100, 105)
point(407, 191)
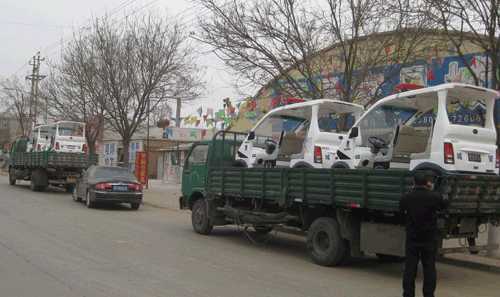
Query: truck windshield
point(71, 129)
point(466, 112)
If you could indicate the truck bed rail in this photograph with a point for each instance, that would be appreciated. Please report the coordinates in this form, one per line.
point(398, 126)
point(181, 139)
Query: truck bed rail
point(347, 188)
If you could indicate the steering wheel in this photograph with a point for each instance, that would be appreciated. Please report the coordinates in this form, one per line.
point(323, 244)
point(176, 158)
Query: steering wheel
point(270, 146)
point(378, 143)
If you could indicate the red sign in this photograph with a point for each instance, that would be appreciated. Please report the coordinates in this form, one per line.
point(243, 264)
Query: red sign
point(141, 167)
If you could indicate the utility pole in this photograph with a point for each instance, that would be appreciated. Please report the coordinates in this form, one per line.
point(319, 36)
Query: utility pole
point(178, 113)
point(35, 77)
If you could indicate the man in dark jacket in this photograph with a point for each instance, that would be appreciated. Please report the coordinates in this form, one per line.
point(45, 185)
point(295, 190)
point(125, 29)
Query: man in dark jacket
point(420, 207)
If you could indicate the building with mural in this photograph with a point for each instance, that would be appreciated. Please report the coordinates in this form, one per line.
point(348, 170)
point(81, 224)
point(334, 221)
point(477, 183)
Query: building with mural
point(434, 62)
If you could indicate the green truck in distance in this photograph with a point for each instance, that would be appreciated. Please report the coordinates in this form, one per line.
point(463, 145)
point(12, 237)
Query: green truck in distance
point(343, 212)
point(46, 168)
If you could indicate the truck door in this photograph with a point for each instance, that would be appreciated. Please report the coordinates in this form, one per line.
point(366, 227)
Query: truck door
point(194, 172)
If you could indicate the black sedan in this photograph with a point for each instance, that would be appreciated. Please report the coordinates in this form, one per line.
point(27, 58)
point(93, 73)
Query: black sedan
point(108, 184)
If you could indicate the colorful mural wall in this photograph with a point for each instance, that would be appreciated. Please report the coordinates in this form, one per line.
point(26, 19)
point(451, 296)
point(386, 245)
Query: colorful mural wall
point(381, 82)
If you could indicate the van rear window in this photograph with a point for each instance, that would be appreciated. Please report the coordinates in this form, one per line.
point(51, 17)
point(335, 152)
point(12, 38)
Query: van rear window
point(466, 112)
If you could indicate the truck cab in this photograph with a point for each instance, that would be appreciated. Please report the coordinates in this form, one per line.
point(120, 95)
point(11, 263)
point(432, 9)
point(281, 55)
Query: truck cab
point(219, 152)
point(447, 128)
point(301, 135)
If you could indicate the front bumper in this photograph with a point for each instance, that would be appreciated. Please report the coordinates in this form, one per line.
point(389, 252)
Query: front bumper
point(118, 197)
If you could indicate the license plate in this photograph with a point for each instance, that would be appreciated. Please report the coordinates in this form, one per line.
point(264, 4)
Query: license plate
point(71, 179)
point(120, 188)
point(474, 157)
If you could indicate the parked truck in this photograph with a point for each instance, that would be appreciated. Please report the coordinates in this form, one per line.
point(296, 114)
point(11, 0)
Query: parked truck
point(44, 168)
point(343, 212)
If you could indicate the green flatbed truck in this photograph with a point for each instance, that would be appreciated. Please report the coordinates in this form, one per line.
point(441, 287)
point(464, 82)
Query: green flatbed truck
point(343, 212)
point(46, 167)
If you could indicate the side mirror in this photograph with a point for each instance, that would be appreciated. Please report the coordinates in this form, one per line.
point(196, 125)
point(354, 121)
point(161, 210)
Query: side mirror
point(251, 135)
point(354, 132)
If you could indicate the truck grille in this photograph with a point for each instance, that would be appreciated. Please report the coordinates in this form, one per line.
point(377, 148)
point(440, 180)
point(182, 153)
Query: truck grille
point(474, 157)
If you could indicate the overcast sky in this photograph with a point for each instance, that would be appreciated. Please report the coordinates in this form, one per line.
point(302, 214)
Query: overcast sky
point(28, 26)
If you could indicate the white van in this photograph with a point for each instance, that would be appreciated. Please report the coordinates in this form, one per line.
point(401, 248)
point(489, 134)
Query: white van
point(446, 128)
point(68, 137)
point(305, 134)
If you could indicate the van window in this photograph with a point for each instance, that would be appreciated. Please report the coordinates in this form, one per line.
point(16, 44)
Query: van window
point(380, 122)
point(336, 123)
point(466, 112)
point(272, 127)
point(71, 129)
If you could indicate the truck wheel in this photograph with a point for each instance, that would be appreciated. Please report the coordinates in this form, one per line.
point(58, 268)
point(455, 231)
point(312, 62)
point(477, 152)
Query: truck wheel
point(324, 243)
point(135, 206)
point(39, 180)
point(200, 218)
point(12, 177)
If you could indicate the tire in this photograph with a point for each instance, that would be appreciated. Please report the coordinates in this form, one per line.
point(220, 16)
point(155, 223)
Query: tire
point(88, 202)
point(135, 206)
point(324, 243)
point(33, 185)
point(75, 195)
point(390, 258)
point(200, 218)
point(12, 177)
point(263, 230)
point(39, 180)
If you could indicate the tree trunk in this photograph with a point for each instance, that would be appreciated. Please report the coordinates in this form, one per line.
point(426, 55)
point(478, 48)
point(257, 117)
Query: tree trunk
point(91, 144)
point(178, 113)
point(126, 151)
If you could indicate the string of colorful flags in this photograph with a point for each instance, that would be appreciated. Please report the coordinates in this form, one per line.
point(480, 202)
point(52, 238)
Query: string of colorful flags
point(247, 108)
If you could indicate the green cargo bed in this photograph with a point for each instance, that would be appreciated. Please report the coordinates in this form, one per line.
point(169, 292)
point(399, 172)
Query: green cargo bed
point(52, 160)
point(345, 188)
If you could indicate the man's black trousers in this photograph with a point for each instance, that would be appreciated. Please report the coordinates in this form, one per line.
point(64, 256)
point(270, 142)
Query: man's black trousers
point(426, 253)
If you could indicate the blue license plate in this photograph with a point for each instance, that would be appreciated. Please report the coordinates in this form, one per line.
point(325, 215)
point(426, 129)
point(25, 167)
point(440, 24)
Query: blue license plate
point(120, 188)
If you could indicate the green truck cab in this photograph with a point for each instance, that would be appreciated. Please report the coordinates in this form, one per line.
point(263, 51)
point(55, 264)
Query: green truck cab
point(342, 212)
point(46, 168)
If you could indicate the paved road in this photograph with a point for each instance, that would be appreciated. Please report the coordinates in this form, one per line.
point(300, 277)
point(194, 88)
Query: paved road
point(51, 246)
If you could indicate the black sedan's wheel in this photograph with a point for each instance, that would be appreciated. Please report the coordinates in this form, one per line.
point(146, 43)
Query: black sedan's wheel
point(135, 206)
point(200, 218)
point(75, 195)
point(12, 177)
point(324, 243)
point(88, 202)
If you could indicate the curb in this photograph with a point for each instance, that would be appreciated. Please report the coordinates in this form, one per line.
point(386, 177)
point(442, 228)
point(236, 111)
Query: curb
point(470, 264)
point(154, 205)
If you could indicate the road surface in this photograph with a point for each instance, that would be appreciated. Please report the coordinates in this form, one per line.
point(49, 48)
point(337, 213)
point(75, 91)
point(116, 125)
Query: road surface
point(51, 246)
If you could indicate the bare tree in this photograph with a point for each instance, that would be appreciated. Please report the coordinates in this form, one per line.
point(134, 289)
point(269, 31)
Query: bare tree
point(309, 50)
point(16, 99)
point(267, 41)
point(74, 92)
point(368, 34)
point(474, 21)
point(138, 65)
